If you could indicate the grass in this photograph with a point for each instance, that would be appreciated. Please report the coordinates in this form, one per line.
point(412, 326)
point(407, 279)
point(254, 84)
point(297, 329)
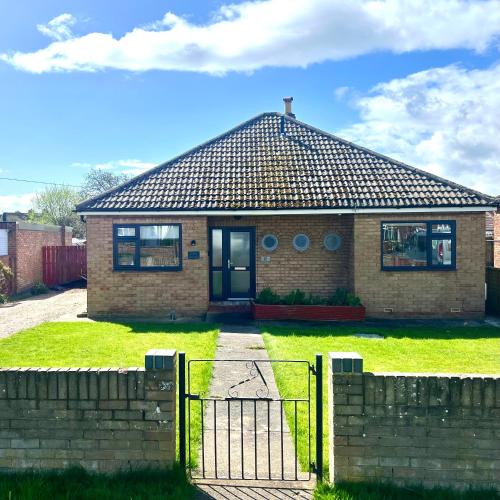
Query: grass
point(411, 349)
point(121, 345)
point(76, 484)
point(380, 491)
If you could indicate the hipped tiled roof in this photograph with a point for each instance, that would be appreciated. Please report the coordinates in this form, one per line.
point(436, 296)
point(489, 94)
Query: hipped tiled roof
point(275, 162)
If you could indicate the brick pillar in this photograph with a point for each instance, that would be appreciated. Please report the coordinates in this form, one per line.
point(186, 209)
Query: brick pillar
point(160, 388)
point(345, 408)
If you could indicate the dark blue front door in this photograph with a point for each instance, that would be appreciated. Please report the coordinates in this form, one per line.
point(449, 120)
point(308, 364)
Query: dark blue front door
point(232, 263)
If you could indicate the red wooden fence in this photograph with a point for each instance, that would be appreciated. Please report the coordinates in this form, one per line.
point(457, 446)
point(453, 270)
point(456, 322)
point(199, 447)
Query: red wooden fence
point(64, 264)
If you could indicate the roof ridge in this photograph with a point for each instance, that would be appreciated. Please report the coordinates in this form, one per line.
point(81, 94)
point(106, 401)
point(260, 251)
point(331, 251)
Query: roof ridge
point(152, 170)
point(487, 197)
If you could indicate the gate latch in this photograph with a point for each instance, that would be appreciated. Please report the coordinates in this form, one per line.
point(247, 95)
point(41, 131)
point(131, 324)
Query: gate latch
point(193, 396)
point(312, 369)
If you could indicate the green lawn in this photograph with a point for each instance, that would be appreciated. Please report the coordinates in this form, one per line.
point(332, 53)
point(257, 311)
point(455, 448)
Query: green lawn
point(78, 485)
point(118, 345)
point(377, 491)
point(412, 349)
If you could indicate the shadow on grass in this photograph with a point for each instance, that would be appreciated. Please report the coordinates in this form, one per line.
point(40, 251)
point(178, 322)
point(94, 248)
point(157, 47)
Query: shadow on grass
point(381, 491)
point(442, 332)
point(162, 327)
point(77, 484)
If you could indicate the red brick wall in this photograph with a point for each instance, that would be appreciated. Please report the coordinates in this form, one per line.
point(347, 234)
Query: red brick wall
point(496, 243)
point(29, 245)
point(421, 293)
point(146, 293)
point(317, 270)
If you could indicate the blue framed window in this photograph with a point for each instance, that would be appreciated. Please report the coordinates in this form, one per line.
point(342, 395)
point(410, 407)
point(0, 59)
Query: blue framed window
point(147, 247)
point(418, 245)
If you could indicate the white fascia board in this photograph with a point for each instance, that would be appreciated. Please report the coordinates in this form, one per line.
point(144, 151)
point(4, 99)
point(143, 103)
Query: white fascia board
point(318, 211)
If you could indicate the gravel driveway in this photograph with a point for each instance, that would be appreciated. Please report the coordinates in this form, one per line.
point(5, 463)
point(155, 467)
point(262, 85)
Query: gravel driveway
point(54, 306)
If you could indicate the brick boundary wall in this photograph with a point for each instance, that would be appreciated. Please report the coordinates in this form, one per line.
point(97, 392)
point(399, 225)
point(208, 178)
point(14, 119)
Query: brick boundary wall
point(408, 428)
point(103, 420)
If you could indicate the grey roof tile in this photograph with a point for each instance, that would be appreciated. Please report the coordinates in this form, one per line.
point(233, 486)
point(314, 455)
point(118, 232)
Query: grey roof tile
point(256, 166)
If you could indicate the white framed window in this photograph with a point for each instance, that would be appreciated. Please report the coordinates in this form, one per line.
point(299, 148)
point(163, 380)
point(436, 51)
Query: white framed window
point(270, 242)
point(4, 242)
point(301, 242)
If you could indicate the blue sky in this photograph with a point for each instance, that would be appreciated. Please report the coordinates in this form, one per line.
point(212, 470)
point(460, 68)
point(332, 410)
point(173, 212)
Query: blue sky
point(124, 85)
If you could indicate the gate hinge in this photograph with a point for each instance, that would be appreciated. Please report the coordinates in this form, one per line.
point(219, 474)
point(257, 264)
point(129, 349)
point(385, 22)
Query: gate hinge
point(313, 467)
point(193, 396)
point(312, 370)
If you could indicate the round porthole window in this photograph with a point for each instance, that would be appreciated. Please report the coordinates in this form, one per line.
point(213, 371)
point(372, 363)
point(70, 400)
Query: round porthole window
point(270, 242)
point(301, 242)
point(332, 241)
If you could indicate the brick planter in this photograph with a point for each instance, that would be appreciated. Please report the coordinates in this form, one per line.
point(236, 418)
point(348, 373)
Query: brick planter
point(310, 313)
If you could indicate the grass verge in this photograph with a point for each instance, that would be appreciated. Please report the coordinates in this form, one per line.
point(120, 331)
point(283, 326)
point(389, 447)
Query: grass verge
point(378, 491)
point(411, 349)
point(122, 345)
point(76, 484)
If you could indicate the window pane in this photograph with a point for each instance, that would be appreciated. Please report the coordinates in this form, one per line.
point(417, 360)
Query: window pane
point(240, 283)
point(240, 249)
point(125, 231)
point(126, 253)
point(441, 252)
point(217, 247)
point(404, 244)
point(441, 228)
point(159, 246)
point(217, 283)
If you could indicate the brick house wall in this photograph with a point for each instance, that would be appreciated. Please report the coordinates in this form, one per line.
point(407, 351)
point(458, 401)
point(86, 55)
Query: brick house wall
point(496, 237)
point(317, 270)
point(421, 293)
point(146, 293)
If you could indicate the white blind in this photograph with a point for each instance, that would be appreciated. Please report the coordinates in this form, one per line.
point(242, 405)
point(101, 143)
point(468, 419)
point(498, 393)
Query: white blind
point(4, 242)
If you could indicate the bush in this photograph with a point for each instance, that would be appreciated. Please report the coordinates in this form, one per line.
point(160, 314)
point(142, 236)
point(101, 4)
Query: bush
point(3, 298)
point(341, 297)
point(267, 296)
point(6, 275)
point(39, 288)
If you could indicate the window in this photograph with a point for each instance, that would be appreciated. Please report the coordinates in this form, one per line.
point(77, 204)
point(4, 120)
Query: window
point(270, 242)
point(417, 246)
point(332, 241)
point(301, 242)
point(4, 242)
point(147, 247)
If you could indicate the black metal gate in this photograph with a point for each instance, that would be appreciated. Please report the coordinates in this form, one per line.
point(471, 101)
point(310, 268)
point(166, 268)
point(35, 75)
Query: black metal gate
point(250, 432)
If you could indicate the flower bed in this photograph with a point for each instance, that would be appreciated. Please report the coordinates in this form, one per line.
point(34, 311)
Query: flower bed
point(311, 313)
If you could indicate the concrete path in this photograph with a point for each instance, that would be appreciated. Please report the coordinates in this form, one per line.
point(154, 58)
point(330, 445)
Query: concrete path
point(233, 427)
point(29, 312)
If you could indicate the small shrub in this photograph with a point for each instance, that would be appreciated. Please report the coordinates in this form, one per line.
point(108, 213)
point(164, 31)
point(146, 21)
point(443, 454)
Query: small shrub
point(3, 298)
point(6, 275)
point(342, 297)
point(267, 296)
point(295, 297)
point(39, 288)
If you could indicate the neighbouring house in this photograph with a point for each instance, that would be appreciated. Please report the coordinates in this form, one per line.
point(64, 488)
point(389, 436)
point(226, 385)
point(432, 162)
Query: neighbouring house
point(277, 203)
point(21, 249)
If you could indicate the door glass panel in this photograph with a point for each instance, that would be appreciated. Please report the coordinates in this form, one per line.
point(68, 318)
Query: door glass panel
point(217, 283)
point(240, 283)
point(240, 249)
point(217, 248)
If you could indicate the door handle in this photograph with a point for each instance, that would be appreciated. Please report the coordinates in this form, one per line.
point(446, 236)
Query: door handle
point(229, 263)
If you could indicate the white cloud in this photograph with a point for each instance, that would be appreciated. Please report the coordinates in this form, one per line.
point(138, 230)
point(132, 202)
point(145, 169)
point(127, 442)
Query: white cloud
point(58, 28)
point(286, 33)
point(15, 202)
point(129, 167)
point(444, 120)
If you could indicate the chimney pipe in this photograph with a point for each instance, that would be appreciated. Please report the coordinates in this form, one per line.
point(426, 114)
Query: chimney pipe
point(288, 106)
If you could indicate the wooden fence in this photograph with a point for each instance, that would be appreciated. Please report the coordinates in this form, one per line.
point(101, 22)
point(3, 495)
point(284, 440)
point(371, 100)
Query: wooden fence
point(64, 264)
point(493, 290)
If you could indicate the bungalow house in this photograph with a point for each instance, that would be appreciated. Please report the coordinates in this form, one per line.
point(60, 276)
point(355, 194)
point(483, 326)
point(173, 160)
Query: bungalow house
point(277, 203)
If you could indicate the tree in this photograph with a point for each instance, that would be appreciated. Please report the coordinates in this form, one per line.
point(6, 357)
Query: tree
point(56, 205)
point(97, 181)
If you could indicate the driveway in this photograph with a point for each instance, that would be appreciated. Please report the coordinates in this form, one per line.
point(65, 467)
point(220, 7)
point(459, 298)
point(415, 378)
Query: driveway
point(54, 306)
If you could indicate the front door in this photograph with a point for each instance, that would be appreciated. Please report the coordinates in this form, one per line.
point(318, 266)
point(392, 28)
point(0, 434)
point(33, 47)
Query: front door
point(232, 263)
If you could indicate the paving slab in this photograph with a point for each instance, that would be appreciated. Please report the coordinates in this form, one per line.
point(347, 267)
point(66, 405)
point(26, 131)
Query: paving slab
point(246, 433)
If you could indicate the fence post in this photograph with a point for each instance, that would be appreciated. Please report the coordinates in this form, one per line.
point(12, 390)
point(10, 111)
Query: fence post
point(319, 417)
point(182, 409)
